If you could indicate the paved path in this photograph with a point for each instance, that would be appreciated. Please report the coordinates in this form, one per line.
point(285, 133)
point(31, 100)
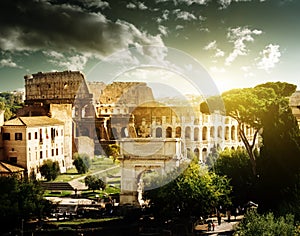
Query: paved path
point(219, 229)
point(79, 185)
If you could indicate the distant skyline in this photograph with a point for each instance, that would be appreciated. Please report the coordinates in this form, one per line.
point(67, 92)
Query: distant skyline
point(240, 43)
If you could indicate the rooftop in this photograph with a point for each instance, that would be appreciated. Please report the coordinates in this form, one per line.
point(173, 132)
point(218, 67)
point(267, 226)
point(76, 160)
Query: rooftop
point(33, 121)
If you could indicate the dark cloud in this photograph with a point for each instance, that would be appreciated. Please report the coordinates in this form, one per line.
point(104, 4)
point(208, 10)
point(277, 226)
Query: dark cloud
point(36, 24)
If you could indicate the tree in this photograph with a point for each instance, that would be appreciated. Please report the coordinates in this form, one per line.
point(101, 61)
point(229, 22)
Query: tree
point(248, 106)
point(50, 170)
point(113, 150)
point(196, 191)
point(236, 165)
point(256, 224)
point(82, 162)
point(94, 183)
point(19, 200)
point(279, 164)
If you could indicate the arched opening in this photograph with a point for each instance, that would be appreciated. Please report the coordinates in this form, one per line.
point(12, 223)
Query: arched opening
point(204, 133)
point(114, 134)
point(197, 153)
point(204, 155)
point(233, 133)
point(158, 132)
point(220, 132)
point(212, 132)
point(188, 132)
point(169, 132)
point(196, 134)
point(226, 133)
point(124, 132)
point(178, 132)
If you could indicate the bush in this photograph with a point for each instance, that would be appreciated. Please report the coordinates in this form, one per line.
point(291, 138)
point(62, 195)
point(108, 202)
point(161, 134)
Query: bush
point(82, 163)
point(50, 170)
point(94, 183)
point(256, 224)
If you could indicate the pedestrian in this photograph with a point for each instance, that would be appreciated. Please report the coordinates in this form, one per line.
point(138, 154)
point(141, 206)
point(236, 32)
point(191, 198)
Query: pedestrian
point(213, 226)
point(219, 218)
point(209, 226)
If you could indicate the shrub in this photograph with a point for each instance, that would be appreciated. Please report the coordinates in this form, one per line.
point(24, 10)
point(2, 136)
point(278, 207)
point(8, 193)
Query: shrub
point(94, 183)
point(82, 163)
point(50, 170)
point(256, 224)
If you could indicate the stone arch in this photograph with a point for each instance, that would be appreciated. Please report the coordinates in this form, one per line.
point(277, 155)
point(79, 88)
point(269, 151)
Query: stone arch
point(220, 132)
point(212, 131)
point(197, 153)
point(226, 133)
point(233, 130)
point(196, 134)
point(114, 134)
point(158, 132)
point(204, 133)
point(178, 132)
point(169, 132)
point(204, 154)
point(124, 132)
point(187, 132)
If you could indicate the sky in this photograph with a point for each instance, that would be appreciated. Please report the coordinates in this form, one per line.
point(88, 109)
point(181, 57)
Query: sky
point(239, 43)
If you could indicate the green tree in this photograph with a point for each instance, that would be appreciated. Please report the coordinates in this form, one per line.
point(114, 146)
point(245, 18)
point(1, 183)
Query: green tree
point(12, 102)
point(50, 170)
point(249, 106)
point(82, 162)
point(256, 224)
point(113, 151)
point(196, 191)
point(94, 183)
point(279, 164)
point(236, 165)
point(20, 199)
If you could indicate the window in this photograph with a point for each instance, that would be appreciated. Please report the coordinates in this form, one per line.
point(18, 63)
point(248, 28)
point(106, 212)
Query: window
point(18, 136)
point(29, 136)
point(35, 135)
point(41, 154)
point(56, 151)
point(6, 136)
point(13, 160)
point(52, 152)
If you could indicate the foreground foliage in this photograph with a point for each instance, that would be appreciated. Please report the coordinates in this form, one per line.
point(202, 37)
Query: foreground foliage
point(267, 225)
point(50, 170)
point(20, 199)
point(195, 191)
point(82, 162)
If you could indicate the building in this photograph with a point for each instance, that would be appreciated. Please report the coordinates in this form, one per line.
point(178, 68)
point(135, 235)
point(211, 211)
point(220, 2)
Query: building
point(29, 141)
point(295, 105)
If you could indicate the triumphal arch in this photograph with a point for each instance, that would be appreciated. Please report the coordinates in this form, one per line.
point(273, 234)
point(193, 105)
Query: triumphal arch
point(140, 155)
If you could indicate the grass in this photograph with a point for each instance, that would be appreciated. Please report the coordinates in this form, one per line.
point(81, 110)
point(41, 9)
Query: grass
point(83, 221)
point(49, 193)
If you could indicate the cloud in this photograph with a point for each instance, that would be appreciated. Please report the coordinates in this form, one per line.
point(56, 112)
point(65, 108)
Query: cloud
point(226, 3)
point(8, 63)
point(163, 30)
point(184, 15)
point(138, 5)
point(67, 61)
point(39, 25)
point(270, 56)
point(190, 2)
point(95, 3)
point(239, 36)
point(213, 46)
